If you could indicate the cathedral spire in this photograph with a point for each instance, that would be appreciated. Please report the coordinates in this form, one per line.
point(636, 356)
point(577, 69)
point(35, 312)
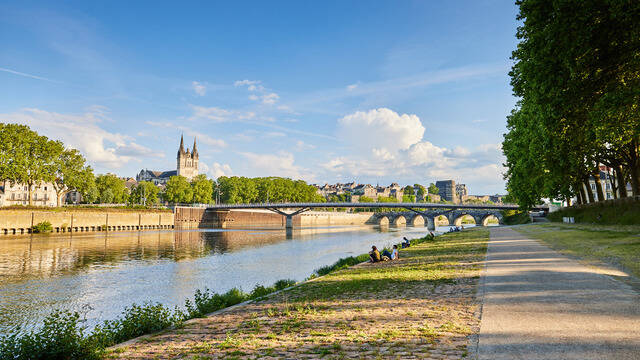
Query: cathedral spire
point(181, 150)
point(195, 151)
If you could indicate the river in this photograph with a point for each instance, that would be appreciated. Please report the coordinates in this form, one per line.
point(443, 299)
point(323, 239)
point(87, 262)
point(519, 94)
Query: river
point(99, 275)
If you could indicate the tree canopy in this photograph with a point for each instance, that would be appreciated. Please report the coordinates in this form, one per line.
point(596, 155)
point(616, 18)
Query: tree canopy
point(576, 72)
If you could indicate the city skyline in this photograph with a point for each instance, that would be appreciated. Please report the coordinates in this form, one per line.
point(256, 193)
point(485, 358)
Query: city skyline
point(321, 93)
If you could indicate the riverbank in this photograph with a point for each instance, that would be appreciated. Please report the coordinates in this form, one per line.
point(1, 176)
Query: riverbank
point(614, 247)
point(610, 212)
point(63, 220)
point(423, 305)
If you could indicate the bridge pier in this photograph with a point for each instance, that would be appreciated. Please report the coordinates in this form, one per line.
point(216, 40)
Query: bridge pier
point(431, 223)
point(289, 216)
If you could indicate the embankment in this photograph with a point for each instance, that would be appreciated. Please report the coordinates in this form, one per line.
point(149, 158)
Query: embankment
point(16, 222)
point(194, 218)
point(609, 212)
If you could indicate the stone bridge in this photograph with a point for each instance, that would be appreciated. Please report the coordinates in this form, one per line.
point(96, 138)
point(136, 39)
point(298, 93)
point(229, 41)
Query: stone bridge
point(428, 217)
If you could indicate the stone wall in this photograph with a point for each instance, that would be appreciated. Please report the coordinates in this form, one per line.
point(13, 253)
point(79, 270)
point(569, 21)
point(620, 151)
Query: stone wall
point(15, 222)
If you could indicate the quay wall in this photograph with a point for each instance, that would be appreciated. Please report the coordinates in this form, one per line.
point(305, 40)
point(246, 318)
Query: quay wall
point(16, 222)
point(193, 218)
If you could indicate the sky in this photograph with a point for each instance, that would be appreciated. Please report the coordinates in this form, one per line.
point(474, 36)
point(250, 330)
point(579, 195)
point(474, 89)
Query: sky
point(329, 91)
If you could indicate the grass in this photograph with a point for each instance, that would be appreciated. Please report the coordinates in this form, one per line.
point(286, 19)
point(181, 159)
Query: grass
point(423, 301)
point(615, 245)
point(515, 217)
point(611, 212)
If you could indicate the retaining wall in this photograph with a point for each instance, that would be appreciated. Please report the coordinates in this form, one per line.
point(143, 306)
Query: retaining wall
point(16, 222)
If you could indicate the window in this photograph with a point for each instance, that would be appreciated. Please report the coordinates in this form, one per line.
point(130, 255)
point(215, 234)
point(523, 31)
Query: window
point(45, 188)
point(593, 187)
point(35, 196)
point(13, 196)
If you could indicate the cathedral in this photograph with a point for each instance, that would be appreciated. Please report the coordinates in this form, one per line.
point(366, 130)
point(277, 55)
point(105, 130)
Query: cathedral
point(186, 162)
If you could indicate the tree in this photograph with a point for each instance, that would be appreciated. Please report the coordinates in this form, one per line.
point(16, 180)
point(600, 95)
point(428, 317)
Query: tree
point(433, 189)
point(202, 189)
point(71, 173)
point(408, 190)
point(144, 193)
point(26, 157)
point(91, 194)
point(178, 190)
point(365, 199)
point(421, 191)
point(111, 189)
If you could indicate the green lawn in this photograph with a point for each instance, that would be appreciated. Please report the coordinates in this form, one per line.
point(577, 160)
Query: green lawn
point(615, 245)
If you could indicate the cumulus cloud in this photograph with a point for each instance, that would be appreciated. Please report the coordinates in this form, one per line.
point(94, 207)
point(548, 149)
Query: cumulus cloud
point(246, 82)
point(83, 132)
point(199, 88)
point(381, 129)
point(217, 114)
point(302, 146)
point(217, 170)
point(279, 164)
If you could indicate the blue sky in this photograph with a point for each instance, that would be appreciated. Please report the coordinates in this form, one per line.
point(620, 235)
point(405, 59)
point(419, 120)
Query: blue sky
point(366, 91)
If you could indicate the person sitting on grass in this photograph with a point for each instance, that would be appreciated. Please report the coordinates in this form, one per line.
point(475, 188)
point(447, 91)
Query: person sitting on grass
point(386, 255)
point(394, 253)
point(374, 255)
point(406, 243)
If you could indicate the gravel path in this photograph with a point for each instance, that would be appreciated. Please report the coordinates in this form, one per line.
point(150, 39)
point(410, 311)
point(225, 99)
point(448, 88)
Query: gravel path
point(539, 304)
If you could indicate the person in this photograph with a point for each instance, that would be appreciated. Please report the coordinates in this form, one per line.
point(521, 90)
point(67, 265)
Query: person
point(386, 255)
point(374, 254)
point(394, 253)
point(406, 243)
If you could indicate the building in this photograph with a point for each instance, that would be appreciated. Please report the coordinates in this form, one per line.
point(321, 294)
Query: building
point(447, 190)
point(18, 194)
point(461, 190)
point(186, 165)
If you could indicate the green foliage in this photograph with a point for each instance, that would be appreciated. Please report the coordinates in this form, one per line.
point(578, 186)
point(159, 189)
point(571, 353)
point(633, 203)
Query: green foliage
point(178, 190)
point(576, 73)
point(422, 191)
point(111, 189)
point(408, 198)
point(342, 264)
point(202, 189)
point(433, 189)
point(242, 190)
point(63, 337)
point(346, 197)
point(515, 217)
point(60, 337)
point(144, 193)
point(612, 212)
point(136, 320)
point(42, 227)
point(71, 173)
point(365, 199)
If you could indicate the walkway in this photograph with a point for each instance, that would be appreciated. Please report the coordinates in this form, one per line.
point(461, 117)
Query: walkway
point(539, 304)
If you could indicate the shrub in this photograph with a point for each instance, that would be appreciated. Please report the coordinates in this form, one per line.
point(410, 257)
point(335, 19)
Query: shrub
point(515, 217)
point(43, 227)
point(342, 263)
point(60, 337)
point(283, 284)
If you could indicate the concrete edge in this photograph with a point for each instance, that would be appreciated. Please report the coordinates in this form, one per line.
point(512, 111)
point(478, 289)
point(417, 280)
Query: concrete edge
point(474, 340)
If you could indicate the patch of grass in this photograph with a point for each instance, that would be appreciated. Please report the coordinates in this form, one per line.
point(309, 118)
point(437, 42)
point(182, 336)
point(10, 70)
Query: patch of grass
point(617, 246)
point(611, 212)
point(515, 217)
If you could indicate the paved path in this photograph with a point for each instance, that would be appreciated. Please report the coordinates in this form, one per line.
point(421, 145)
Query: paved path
point(539, 304)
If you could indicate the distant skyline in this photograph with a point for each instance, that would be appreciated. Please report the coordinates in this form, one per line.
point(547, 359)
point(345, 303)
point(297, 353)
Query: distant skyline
point(333, 91)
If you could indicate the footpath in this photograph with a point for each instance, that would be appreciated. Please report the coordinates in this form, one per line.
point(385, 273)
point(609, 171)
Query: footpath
point(539, 304)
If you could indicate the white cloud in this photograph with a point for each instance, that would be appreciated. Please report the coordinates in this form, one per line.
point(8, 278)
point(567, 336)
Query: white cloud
point(217, 170)
point(302, 146)
point(270, 98)
point(381, 129)
point(83, 132)
point(352, 87)
point(200, 89)
point(211, 113)
point(246, 82)
point(279, 164)
point(274, 134)
point(253, 97)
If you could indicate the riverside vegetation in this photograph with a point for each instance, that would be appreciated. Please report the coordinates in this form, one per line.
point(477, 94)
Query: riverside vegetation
point(63, 336)
point(423, 305)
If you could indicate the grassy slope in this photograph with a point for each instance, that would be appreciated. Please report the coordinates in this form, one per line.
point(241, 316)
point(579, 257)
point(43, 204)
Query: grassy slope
point(615, 245)
point(611, 212)
point(422, 303)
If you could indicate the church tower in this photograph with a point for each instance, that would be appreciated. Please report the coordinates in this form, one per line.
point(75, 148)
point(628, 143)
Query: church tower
point(187, 161)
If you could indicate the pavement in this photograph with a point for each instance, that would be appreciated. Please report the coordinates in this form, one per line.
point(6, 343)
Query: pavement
point(539, 304)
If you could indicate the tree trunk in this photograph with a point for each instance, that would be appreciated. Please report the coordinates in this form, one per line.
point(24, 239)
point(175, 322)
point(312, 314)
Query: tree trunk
point(30, 185)
point(583, 196)
point(622, 182)
point(634, 169)
point(589, 191)
point(579, 197)
point(596, 177)
point(612, 183)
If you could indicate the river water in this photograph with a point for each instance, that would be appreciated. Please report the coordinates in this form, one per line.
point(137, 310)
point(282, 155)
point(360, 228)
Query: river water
point(99, 274)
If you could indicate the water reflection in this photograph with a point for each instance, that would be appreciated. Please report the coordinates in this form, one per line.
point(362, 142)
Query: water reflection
point(110, 271)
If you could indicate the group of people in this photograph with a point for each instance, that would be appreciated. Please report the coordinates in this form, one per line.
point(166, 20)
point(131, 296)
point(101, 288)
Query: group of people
point(455, 228)
point(375, 256)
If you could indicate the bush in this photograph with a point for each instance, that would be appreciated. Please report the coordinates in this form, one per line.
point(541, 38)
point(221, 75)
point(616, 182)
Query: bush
point(611, 212)
point(342, 263)
point(283, 284)
point(515, 217)
point(43, 227)
point(60, 337)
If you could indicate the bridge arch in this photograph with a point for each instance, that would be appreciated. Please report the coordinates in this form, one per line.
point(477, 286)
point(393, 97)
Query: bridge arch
point(417, 221)
point(456, 217)
point(399, 220)
point(494, 215)
point(383, 220)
